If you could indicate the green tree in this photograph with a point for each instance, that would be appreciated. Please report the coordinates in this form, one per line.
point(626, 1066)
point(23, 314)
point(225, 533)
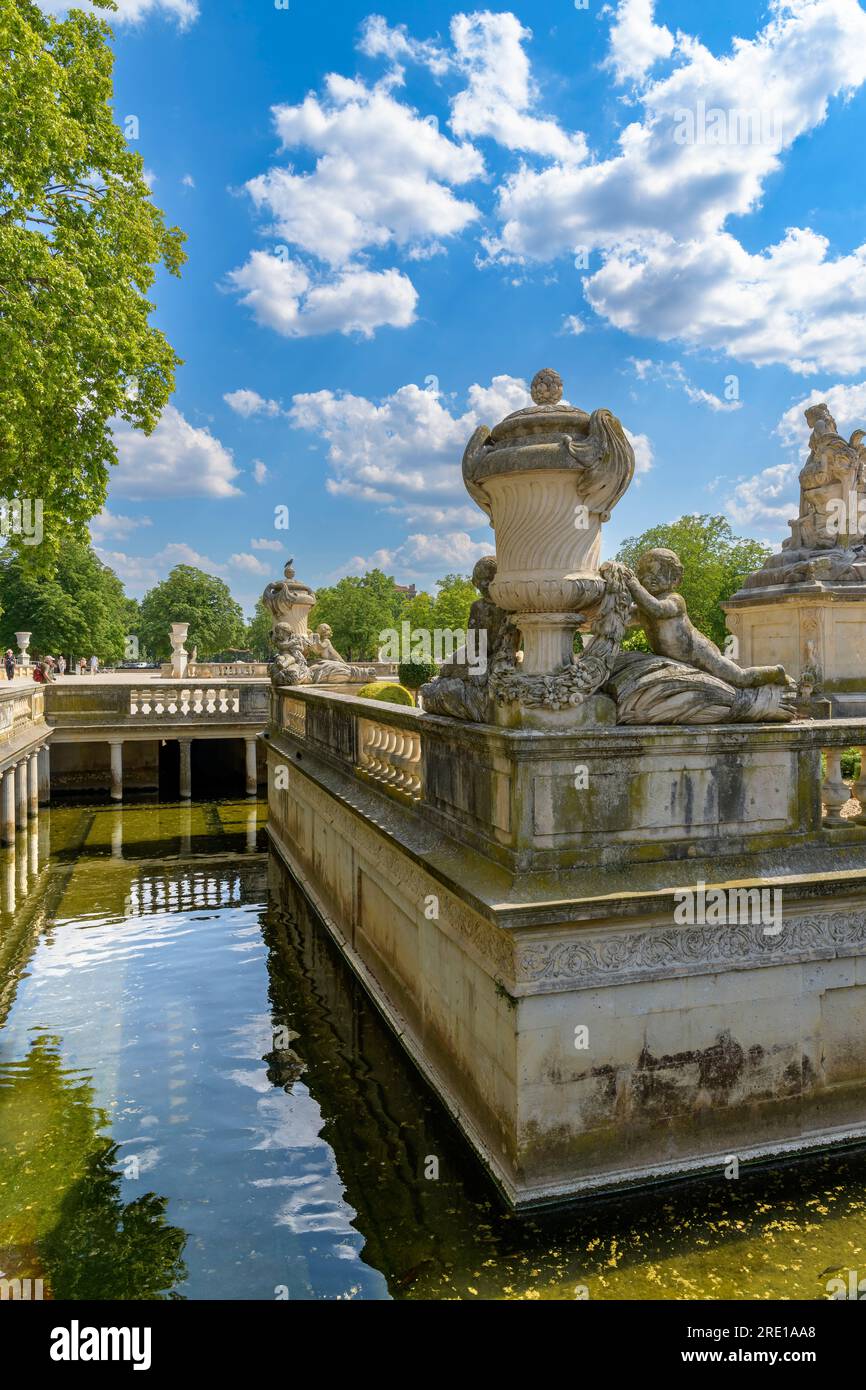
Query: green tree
point(456, 595)
point(258, 633)
point(358, 612)
point(189, 595)
point(80, 242)
point(715, 563)
point(79, 610)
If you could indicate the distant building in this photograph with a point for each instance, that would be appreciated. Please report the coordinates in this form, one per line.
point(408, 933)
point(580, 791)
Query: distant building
point(408, 589)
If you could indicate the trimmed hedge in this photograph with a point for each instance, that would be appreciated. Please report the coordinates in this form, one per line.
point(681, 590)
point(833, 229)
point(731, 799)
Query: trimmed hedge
point(414, 674)
point(388, 692)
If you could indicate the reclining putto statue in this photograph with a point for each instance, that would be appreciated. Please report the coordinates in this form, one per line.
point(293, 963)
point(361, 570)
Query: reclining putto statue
point(685, 679)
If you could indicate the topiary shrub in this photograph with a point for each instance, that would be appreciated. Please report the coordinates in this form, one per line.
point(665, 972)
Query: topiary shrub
point(388, 692)
point(850, 764)
point(414, 674)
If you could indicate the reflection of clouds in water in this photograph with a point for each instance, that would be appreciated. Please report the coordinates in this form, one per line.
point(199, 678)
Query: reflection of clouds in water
point(253, 1037)
point(106, 941)
point(315, 1203)
point(255, 1080)
point(147, 1159)
point(293, 1118)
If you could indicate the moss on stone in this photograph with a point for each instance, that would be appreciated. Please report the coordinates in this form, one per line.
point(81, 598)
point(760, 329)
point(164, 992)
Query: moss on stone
point(388, 691)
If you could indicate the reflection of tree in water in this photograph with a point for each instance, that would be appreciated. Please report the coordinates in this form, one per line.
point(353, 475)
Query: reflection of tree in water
point(62, 1217)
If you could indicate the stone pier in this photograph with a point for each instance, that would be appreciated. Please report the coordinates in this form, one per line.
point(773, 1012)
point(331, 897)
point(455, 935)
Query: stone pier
point(537, 916)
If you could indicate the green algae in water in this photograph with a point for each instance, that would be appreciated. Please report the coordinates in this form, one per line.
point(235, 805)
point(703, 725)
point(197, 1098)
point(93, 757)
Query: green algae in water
point(197, 1100)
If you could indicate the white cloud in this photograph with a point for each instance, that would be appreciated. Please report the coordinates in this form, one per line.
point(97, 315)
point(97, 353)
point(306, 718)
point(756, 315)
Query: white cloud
point(672, 374)
point(383, 175)
point(184, 12)
point(644, 457)
point(636, 41)
point(767, 499)
point(499, 98)
point(177, 460)
point(282, 296)
point(140, 572)
point(248, 564)
point(260, 472)
point(379, 40)
point(110, 524)
point(572, 326)
point(403, 453)
point(188, 181)
point(245, 402)
point(656, 210)
point(424, 554)
point(264, 544)
point(847, 406)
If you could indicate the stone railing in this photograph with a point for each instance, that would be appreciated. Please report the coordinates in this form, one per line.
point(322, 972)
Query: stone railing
point(190, 702)
point(587, 798)
point(112, 705)
point(219, 670)
point(391, 757)
point(22, 722)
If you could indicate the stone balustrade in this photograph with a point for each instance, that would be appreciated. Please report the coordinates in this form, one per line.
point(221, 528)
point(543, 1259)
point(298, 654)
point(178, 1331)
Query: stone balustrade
point(391, 757)
point(584, 798)
point(186, 702)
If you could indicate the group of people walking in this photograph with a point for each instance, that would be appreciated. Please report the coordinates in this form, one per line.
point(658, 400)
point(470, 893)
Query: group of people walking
point(48, 668)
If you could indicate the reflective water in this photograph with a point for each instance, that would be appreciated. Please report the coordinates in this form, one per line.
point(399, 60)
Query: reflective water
point(198, 1101)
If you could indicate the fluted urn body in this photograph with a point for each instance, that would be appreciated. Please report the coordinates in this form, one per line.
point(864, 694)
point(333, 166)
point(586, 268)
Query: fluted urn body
point(548, 478)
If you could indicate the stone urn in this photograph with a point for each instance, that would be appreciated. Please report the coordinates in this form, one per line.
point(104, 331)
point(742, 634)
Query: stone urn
point(290, 602)
point(23, 640)
point(179, 656)
point(548, 477)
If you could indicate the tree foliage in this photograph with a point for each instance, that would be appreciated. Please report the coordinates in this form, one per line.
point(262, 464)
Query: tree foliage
point(80, 242)
point(189, 595)
point(359, 609)
point(715, 563)
point(258, 633)
point(81, 610)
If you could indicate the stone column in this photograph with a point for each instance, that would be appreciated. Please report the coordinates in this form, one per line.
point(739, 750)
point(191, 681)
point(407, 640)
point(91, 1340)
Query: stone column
point(185, 745)
point(33, 784)
point(21, 794)
point(8, 818)
point(252, 774)
point(116, 769)
point(44, 775)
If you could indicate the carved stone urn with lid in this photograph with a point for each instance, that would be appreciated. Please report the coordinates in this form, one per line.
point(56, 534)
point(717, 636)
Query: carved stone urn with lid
point(548, 477)
point(290, 601)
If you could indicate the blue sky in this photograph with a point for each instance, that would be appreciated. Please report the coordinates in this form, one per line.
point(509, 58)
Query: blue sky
point(398, 213)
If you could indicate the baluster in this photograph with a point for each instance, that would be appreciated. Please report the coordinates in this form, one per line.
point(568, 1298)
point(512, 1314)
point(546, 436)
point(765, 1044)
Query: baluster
point(834, 791)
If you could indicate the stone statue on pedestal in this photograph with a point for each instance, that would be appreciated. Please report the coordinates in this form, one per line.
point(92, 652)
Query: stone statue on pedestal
point(304, 658)
point(548, 478)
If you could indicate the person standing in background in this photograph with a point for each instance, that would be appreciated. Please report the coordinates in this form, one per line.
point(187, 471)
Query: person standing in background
point(9, 663)
point(94, 665)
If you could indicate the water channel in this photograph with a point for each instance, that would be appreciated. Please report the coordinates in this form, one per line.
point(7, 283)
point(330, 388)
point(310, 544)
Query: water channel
point(198, 1101)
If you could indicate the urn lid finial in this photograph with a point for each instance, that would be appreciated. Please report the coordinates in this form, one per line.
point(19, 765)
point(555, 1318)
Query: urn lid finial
point(546, 388)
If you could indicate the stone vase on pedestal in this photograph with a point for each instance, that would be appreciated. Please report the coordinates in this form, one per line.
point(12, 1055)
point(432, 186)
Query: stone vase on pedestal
point(548, 478)
point(179, 656)
point(23, 640)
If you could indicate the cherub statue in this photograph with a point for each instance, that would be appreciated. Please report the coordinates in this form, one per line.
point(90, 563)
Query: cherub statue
point(670, 632)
